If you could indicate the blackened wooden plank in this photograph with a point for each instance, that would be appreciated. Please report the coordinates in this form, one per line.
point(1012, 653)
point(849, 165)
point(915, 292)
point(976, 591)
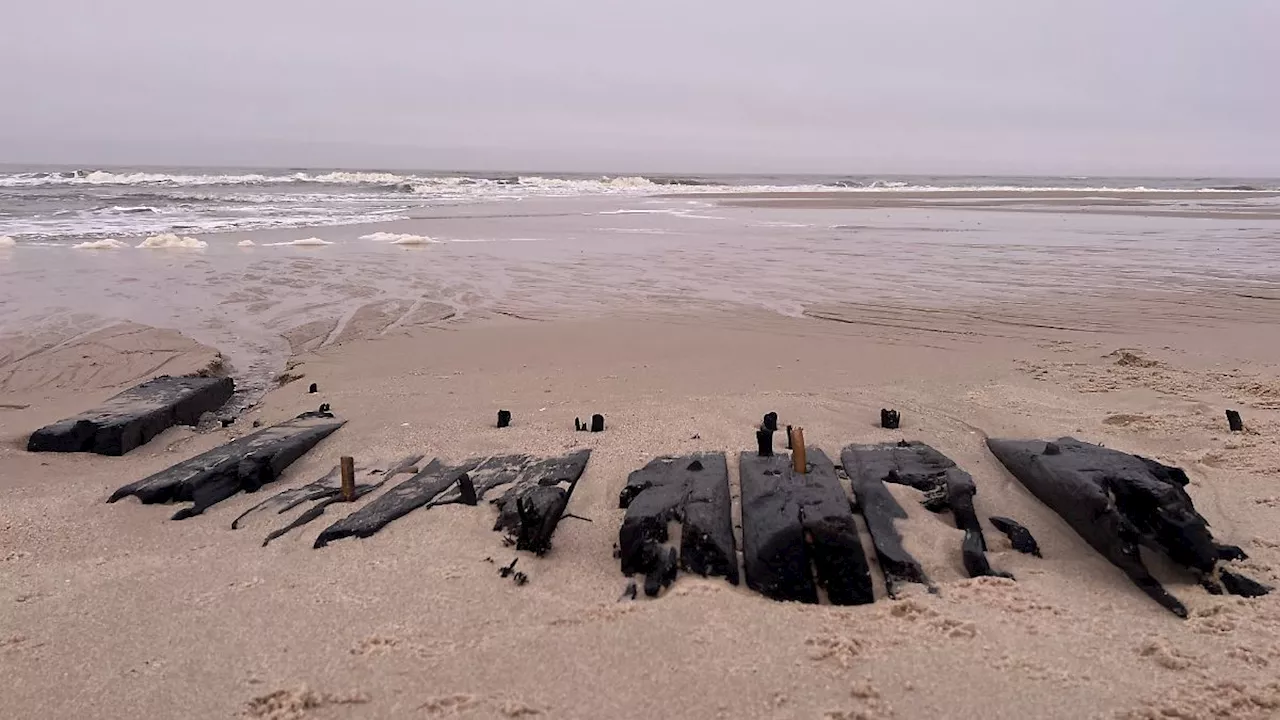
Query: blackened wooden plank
point(1116, 502)
point(244, 464)
point(796, 527)
point(530, 510)
point(692, 490)
point(868, 466)
point(135, 416)
point(707, 545)
point(397, 502)
point(367, 480)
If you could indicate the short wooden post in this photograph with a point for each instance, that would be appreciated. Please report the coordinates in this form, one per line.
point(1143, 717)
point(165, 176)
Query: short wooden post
point(798, 460)
point(764, 439)
point(1234, 421)
point(348, 465)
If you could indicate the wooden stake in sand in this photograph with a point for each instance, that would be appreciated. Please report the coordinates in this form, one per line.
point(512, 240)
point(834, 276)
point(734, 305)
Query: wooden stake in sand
point(348, 478)
point(798, 460)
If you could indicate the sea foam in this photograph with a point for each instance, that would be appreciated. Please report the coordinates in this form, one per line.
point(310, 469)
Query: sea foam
point(169, 240)
point(106, 244)
point(304, 242)
point(399, 238)
point(6, 241)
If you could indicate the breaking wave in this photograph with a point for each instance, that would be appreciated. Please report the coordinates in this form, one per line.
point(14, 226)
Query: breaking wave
point(6, 241)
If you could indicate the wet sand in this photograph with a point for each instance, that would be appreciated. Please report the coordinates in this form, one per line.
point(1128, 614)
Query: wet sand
point(1126, 331)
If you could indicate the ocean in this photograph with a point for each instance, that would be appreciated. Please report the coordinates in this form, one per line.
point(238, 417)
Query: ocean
point(66, 205)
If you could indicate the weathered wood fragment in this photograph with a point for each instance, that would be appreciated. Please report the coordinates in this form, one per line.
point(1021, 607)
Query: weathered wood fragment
point(1238, 584)
point(692, 490)
point(485, 474)
point(504, 418)
point(1116, 502)
point(530, 510)
point(136, 415)
point(890, 419)
point(868, 467)
point(597, 423)
point(770, 422)
point(946, 488)
point(798, 526)
point(1019, 536)
point(397, 502)
point(244, 464)
point(1234, 422)
point(329, 486)
point(375, 478)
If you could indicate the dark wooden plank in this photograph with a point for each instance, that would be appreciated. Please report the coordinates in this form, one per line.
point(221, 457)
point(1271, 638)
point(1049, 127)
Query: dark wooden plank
point(946, 488)
point(397, 502)
point(329, 485)
point(796, 527)
point(486, 474)
point(244, 464)
point(530, 510)
point(868, 466)
point(707, 545)
point(367, 480)
point(1116, 502)
point(692, 490)
point(135, 416)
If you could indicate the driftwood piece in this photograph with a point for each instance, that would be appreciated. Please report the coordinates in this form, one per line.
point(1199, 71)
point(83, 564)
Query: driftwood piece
point(244, 464)
point(1234, 422)
point(1117, 502)
point(868, 466)
point(890, 419)
point(135, 416)
point(692, 490)
point(796, 527)
point(530, 510)
point(1019, 536)
point(504, 418)
point(375, 478)
point(397, 502)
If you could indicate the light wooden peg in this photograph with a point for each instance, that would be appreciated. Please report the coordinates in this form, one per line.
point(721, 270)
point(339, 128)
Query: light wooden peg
point(798, 459)
point(348, 465)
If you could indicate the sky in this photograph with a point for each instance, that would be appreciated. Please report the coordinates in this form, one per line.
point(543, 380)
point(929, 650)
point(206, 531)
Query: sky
point(1102, 87)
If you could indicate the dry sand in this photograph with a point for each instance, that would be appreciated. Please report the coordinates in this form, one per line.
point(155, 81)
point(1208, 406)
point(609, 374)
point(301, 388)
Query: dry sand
point(111, 611)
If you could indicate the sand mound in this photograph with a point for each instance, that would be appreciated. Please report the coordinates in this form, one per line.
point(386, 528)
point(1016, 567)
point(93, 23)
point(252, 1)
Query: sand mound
point(295, 704)
point(76, 358)
point(1129, 357)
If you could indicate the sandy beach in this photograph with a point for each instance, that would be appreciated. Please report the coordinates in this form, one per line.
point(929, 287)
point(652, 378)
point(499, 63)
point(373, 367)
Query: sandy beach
point(682, 320)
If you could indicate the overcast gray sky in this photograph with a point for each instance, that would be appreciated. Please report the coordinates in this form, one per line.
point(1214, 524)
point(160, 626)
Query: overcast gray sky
point(932, 86)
